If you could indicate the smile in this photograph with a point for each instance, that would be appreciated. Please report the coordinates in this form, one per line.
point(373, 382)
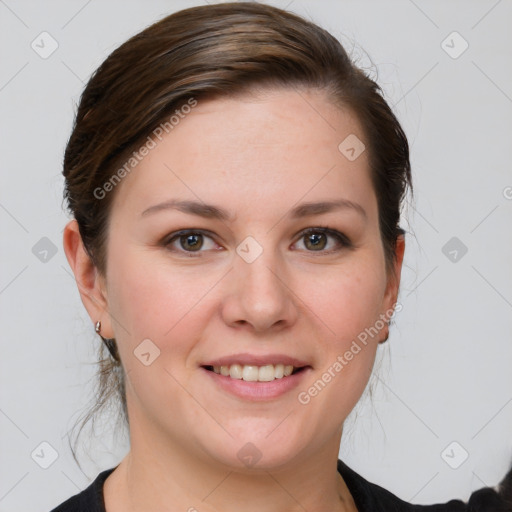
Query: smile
point(252, 373)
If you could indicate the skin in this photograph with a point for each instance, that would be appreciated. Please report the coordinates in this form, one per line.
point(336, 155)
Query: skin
point(256, 156)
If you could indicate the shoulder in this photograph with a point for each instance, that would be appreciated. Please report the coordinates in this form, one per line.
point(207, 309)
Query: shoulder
point(89, 500)
point(371, 497)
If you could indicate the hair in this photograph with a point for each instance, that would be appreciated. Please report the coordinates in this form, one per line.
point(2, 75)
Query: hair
point(209, 52)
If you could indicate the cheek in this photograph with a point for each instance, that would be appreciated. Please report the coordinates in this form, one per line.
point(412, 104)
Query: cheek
point(347, 300)
point(348, 307)
point(149, 298)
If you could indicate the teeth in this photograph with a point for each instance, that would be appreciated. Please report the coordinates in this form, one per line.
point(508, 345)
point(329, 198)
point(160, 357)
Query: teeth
point(251, 373)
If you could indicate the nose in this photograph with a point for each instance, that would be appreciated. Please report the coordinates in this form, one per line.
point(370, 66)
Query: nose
point(259, 295)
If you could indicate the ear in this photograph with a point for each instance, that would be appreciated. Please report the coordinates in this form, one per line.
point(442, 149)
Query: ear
point(91, 284)
point(393, 280)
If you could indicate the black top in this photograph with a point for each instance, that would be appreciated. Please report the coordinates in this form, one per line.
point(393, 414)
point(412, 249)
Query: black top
point(368, 497)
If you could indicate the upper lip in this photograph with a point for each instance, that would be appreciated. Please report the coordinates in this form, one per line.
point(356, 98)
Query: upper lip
point(256, 360)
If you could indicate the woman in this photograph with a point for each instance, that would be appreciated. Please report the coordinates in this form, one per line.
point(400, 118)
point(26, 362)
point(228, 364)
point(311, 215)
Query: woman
point(236, 184)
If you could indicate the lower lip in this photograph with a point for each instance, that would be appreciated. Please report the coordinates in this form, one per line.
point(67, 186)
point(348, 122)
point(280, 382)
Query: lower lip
point(258, 391)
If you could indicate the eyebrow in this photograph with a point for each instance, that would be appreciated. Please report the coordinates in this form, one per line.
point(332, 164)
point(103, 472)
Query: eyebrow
point(210, 211)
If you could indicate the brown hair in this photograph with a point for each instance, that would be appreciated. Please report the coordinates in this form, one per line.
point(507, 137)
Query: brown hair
point(202, 53)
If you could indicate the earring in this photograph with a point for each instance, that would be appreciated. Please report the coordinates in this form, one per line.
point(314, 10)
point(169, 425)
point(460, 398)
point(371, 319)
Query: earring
point(110, 343)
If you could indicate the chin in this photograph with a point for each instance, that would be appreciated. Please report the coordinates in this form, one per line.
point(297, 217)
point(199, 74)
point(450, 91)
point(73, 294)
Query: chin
point(251, 452)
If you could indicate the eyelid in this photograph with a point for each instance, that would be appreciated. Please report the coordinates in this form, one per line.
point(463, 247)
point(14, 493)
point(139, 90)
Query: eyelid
point(341, 238)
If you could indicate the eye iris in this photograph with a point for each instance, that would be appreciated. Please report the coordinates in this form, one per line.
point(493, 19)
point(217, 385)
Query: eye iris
point(193, 241)
point(316, 240)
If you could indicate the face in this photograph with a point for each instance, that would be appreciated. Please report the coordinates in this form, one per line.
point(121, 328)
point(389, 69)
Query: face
point(218, 256)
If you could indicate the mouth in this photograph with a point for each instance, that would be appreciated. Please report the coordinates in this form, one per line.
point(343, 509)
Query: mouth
point(253, 373)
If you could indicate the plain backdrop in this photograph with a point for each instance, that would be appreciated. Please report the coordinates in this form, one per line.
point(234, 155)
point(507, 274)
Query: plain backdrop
point(443, 384)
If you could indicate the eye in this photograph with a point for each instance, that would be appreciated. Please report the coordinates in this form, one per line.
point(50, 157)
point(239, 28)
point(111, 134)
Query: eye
point(190, 241)
point(317, 240)
point(320, 239)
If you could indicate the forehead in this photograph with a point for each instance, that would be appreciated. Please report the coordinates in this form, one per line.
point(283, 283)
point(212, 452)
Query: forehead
point(252, 151)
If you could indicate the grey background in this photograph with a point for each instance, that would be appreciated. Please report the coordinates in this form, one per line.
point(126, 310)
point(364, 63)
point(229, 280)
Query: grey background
point(445, 374)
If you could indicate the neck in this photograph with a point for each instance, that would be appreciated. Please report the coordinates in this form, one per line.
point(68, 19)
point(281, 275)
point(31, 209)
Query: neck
point(162, 475)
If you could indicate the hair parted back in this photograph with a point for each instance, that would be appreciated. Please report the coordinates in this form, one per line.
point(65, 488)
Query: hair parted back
point(207, 52)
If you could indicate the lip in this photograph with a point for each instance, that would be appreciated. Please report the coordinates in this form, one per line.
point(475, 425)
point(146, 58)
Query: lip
point(256, 360)
point(257, 391)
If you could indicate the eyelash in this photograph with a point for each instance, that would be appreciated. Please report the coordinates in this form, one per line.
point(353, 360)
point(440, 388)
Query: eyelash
point(343, 241)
